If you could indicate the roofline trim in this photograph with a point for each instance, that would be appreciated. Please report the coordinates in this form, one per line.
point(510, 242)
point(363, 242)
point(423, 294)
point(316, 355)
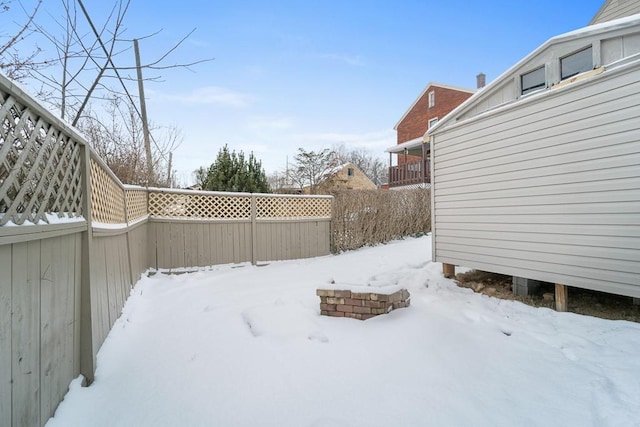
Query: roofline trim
point(424, 91)
point(622, 23)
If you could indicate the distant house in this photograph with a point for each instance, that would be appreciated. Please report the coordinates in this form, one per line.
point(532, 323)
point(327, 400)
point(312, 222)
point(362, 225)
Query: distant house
point(538, 175)
point(342, 177)
point(411, 152)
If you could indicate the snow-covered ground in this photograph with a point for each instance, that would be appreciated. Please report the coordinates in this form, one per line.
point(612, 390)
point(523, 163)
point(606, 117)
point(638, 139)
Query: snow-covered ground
point(246, 346)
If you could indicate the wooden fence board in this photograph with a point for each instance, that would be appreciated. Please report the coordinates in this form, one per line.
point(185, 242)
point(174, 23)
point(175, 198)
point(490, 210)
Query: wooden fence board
point(194, 245)
point(124, 278)
point(288, 235)
point(99, 296)
point(125, 275)
point(227, 246)
point(137, 244)
point(213, 244)
point(119, 270)
point(5, 335)
point(111, 264)
point(48, 328)
point(247, 241)
point(205, 256)
point(177, 245)
point(25, 340)
point(77, 301)
point(57, 320)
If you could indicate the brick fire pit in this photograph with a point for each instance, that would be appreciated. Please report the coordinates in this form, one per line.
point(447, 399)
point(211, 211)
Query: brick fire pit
point(361, 302)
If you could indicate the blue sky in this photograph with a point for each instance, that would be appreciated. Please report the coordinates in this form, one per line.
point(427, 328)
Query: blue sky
point(312, 74)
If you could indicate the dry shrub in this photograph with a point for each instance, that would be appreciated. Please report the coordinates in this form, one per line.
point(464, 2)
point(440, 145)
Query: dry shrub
point(362, 218)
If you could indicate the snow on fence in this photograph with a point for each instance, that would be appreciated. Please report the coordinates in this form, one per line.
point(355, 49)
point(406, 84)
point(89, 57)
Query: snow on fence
point(74, 240)
point(40, 171)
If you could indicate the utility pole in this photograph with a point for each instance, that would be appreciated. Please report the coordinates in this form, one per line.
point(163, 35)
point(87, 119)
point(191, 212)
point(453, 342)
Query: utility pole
point(143, 111)
point(169, 172)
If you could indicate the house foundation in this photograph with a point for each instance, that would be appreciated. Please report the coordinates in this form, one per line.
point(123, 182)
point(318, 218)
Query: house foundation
point(522, 286)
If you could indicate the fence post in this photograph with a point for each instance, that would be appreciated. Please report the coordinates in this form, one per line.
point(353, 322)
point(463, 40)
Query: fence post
point(254, 231)
point(87, 360)
point(128, 237)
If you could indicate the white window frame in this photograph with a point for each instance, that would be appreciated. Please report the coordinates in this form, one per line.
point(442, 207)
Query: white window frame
point(532, 89)
point(432, 122)
point(575, 54)
point(432, 99)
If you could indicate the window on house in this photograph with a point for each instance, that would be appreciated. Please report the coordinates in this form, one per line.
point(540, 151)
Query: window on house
point(350, 171)
point(432, 99)
point(432, 122)
point(533, 80)
point(576, 63)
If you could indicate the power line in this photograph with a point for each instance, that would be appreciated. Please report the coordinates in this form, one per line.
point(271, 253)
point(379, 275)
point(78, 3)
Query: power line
point(115, 69)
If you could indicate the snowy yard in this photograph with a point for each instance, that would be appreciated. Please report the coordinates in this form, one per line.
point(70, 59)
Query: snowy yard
point(246, 346)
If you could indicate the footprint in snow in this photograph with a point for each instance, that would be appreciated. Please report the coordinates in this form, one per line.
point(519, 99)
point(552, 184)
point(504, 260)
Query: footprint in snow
point(283, 321)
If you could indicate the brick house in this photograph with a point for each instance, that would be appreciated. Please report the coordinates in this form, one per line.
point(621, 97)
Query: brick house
point(411, 152)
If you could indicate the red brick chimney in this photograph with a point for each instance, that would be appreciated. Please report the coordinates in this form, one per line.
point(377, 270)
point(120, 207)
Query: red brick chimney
point(481, 80)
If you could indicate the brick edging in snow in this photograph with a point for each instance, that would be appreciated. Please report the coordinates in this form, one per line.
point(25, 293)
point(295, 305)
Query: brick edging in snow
point(360, 305)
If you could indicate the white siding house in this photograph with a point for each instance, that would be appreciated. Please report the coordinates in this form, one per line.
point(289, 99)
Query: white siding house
point(614, 9)
point(538, 175)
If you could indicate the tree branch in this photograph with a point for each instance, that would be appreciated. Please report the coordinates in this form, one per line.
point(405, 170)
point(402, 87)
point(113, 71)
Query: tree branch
point(24, 28)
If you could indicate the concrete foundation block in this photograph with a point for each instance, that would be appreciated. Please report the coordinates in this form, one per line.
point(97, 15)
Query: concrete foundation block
point(522, 286)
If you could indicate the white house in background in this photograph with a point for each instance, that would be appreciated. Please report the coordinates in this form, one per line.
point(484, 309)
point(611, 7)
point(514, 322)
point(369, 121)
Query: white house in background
point(538, 175)
point(614, 9)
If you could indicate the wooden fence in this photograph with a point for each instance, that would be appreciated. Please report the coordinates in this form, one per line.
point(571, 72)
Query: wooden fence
point(74, 240)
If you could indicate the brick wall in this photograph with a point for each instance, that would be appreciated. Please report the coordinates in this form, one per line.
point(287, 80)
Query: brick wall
point(360, 305)
point(415, 124)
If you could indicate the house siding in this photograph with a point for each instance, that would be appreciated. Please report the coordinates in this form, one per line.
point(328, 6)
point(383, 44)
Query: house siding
point(614, 9)
point(546, 188)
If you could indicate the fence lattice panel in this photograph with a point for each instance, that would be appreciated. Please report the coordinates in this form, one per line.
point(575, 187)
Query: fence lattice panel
point(107, 197)
point(40, 166)
point(293, 207)
point(199, 206)
point(136, 203)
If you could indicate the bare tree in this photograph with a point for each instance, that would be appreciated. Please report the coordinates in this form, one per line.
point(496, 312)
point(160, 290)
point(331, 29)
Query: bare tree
point(311, 167)
point(16, 62)
point(280, 181)
point(88, 81)
point(373, 167)
point(118, 139)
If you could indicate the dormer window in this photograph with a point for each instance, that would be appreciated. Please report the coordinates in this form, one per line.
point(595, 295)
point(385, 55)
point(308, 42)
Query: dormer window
point(432, 99)
point(533, 80)
point(576, 63)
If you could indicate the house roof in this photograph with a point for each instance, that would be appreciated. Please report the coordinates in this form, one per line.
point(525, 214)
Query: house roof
point(426, 89)
point(334, 170)
point(596, 29)
point(414, 143)
point(323, 176)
